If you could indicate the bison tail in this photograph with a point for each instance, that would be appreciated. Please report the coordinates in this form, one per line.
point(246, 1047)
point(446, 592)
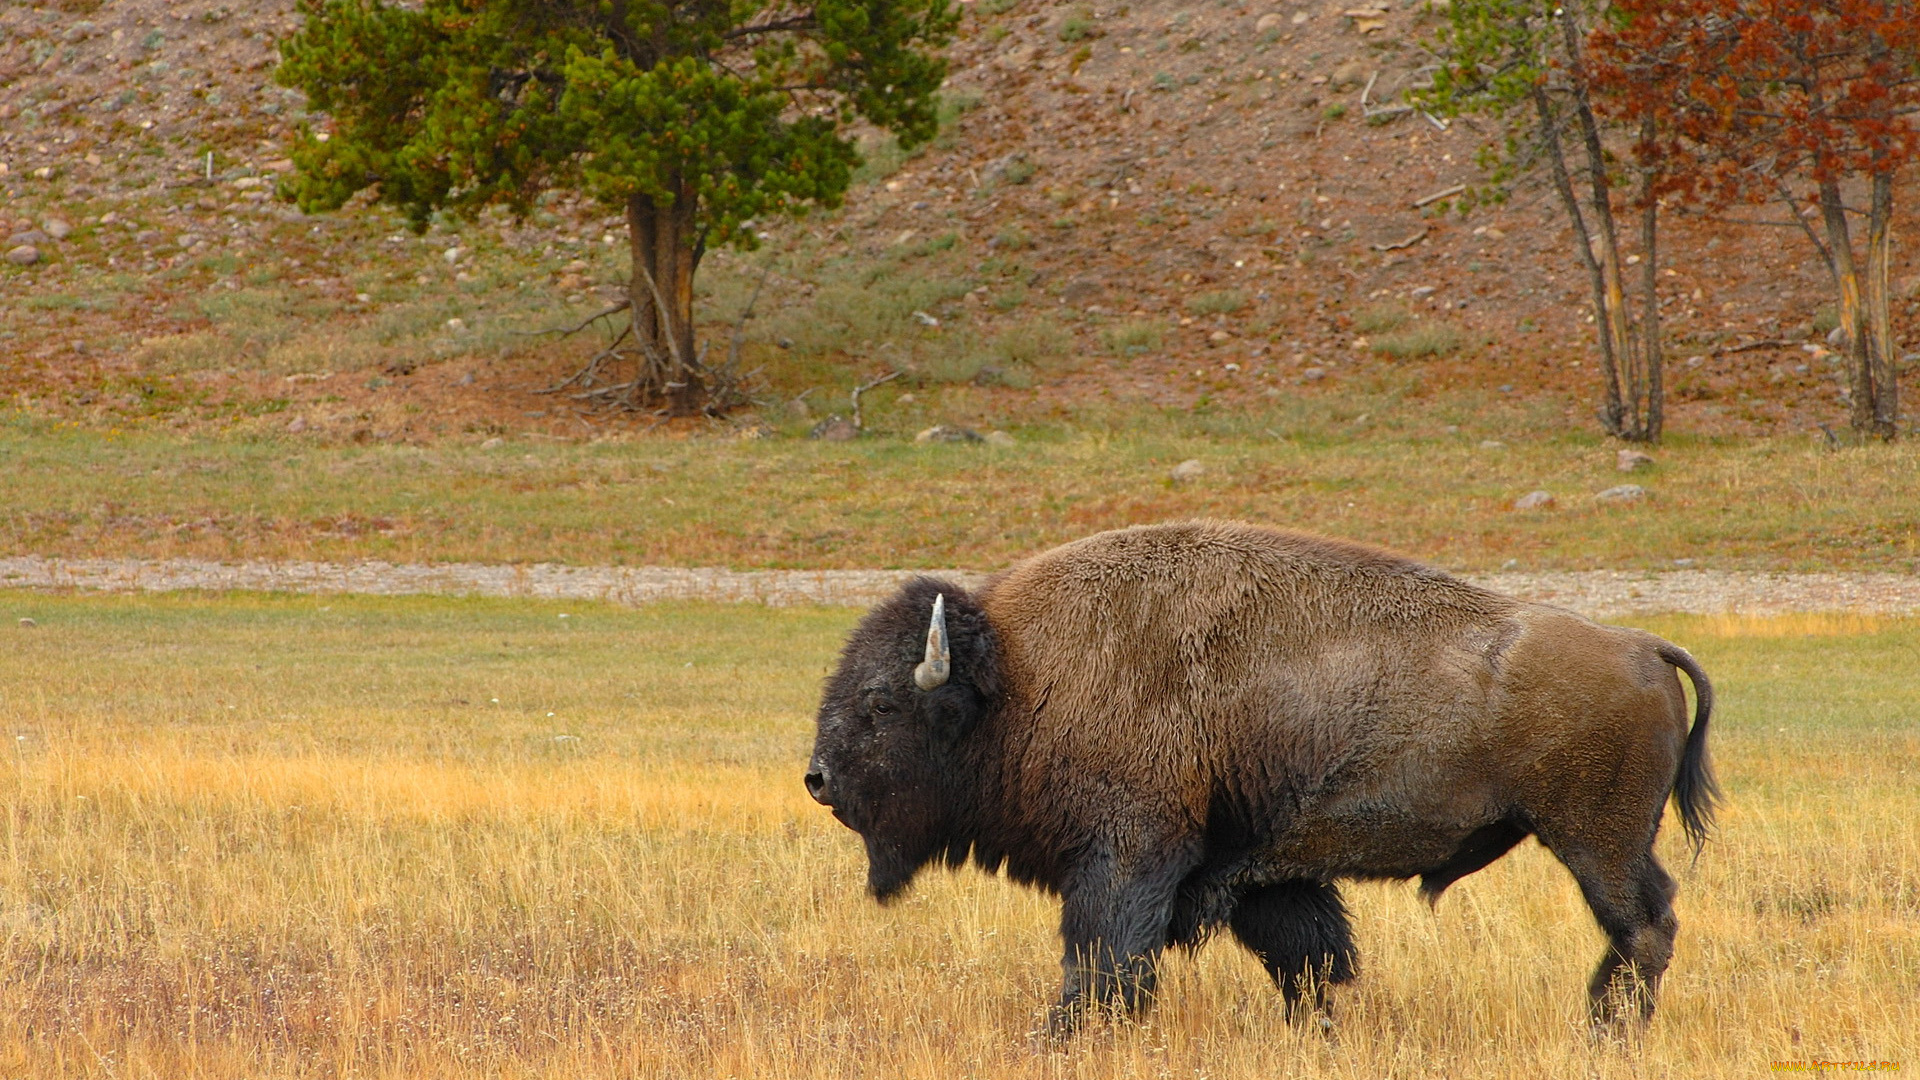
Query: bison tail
point(1695, 792)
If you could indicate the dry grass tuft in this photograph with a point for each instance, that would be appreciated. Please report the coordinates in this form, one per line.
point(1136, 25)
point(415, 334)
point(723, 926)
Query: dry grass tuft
point(267, 837)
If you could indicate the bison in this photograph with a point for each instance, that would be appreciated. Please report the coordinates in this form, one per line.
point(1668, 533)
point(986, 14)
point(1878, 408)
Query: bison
point(1183, 727)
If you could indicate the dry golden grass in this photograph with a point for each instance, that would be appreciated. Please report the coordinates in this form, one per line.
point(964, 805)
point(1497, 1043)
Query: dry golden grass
point(266, 837)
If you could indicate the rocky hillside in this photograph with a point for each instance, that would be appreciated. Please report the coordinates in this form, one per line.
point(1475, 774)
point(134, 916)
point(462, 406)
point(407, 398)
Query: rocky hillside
point(1158, 201)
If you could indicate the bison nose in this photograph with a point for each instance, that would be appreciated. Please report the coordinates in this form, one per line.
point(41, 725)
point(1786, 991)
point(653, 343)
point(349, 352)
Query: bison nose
point(817, 787)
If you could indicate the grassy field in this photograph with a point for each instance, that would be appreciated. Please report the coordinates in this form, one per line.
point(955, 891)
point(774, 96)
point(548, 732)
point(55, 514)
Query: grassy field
point(275, 837)
point(1401, 478)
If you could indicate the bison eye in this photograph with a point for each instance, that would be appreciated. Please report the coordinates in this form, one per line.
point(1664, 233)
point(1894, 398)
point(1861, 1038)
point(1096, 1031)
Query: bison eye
point(884, 708)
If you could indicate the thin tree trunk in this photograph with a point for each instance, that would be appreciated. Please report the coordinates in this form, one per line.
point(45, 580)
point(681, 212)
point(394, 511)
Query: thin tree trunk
point(1626, 421)
point(1650, 305)
point(1846, 280)
point(1610, 410)
point(1882, 375)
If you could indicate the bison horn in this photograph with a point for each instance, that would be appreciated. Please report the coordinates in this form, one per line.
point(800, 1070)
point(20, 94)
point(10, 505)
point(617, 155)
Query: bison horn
point(932, 671)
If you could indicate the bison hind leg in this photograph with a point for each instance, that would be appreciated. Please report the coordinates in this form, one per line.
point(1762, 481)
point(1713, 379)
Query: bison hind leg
point(1633, 902)
point(1300, 932)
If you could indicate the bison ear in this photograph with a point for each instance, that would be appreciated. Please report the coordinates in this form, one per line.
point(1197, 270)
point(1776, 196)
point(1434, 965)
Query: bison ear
point(952, 710)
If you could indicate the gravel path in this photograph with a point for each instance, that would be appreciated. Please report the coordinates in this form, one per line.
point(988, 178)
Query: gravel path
point(1594, 592)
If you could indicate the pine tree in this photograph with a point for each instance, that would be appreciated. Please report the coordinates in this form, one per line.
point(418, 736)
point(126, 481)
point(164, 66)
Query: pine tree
point(693, 118)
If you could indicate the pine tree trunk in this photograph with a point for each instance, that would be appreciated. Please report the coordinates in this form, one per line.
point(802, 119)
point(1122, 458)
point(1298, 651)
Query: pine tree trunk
point(665, 253)
point(1885, 404)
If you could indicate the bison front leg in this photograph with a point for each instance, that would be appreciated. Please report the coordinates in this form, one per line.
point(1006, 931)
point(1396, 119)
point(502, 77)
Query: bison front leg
point(1114, 924)
point(1300, 932)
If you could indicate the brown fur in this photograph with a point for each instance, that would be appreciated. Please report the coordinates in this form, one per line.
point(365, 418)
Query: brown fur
point(1185, 718)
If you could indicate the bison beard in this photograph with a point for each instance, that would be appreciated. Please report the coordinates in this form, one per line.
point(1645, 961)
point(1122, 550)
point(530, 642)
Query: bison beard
point(1190, 727)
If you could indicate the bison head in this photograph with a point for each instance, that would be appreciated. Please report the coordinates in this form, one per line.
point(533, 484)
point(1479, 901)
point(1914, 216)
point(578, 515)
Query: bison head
point(917, 677)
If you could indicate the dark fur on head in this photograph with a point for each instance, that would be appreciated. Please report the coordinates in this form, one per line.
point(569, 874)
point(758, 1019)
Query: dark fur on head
point(890, 752)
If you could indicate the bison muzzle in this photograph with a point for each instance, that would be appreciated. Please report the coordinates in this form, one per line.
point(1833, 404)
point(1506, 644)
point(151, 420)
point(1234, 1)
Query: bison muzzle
point(1184, 727)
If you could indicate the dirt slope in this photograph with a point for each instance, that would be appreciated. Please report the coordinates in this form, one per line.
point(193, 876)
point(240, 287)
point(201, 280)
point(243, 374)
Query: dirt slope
point(1206, 170)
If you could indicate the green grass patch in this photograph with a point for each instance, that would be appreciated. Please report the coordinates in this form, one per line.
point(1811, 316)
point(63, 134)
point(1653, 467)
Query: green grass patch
point(1418, 339)
point(1217, 302)
point(1788, 504)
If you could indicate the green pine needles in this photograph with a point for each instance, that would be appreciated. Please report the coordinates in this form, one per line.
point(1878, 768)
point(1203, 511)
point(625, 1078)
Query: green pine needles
point(692, 118)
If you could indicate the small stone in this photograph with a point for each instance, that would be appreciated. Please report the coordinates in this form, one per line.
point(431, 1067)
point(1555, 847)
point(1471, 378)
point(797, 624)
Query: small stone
point(946, 433)
point(925, 319)
point(1219, 336)
point(29, 623)
point(1624, 493)
point(456, 325)
point(1188, 470)
point(1492, 444)
point(297, 425)
point(1632, 460)
point(29, 237)
point(24, 255)
point(1683, 562)
point(1534, 500)
point(1837, 337)
point(1000, 438)
point(464, 380)
point(491, 443)
point(1348, 75)
point(1271, 21)
point(453, 254)
point(1314, 374)
point(834, 429)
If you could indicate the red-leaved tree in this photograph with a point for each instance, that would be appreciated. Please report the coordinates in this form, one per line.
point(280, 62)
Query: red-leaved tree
point(1797, 101)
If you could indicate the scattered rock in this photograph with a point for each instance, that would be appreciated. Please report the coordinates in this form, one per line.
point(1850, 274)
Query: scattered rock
point(1082, 291)
point(456, 325)
point(1632, 460)
point(297, 425)
point(491, 443)
point(1273, 20)
point(1837, 338)
point(1492, 444)
point(925, 319)
point(1624, 493)
point(29, 237)
point(453, 254)
point(948, 433)
point(1219, 336)
point(29, 623)
point(1000, 438)
point(834, 429)
point(756, 431)
point(1314, 374)
point(1347, 76)
point(1190, 469)
point(24, 255)
point(464, 380)
point(1534, 500)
